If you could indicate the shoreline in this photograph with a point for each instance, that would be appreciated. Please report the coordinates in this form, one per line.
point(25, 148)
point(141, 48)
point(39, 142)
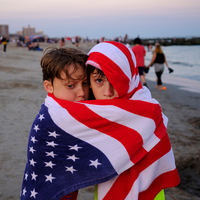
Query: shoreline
point(22, 94)
point(183, 83)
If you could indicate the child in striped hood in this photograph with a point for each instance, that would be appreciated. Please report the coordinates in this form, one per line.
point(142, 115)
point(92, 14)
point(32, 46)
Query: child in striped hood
point(114, 75)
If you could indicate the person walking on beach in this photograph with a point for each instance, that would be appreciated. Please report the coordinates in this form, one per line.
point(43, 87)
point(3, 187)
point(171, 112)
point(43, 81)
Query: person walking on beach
point(158, 60)
point(140, 52)
point(4, 42)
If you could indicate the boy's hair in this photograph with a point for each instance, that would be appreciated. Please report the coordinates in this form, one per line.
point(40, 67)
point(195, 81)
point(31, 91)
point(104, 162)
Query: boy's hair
point(56, 60)
point(98, 72)
point(91, 70)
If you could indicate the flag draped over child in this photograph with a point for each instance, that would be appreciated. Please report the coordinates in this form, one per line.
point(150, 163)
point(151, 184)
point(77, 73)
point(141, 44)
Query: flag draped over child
point(120, 144)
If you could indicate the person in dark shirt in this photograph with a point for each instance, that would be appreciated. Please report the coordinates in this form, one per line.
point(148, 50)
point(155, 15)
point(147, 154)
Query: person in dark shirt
point(158, 60)
point(4, 42)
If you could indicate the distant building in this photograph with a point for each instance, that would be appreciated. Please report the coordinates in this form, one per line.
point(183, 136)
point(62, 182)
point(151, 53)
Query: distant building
point(4, 30)
point(19, 33)
point(40, 32)
point(28, 31)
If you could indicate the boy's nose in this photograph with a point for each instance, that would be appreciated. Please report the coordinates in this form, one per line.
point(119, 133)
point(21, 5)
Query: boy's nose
point(109, 90)
point(81, 92)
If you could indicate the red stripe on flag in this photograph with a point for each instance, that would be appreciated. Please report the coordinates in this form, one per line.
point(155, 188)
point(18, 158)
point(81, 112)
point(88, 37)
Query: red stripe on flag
point(139, 155)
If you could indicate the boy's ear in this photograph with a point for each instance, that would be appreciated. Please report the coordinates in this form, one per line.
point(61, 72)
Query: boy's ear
point(48, 86)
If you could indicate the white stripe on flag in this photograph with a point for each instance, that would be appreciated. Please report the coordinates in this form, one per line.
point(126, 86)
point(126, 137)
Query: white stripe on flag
point(134, 83)
point(165, 120)
point(133, 57)
point(103, 188)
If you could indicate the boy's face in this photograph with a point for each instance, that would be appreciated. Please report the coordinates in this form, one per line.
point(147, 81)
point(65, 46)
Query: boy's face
point(69, 89)
point(101, 87)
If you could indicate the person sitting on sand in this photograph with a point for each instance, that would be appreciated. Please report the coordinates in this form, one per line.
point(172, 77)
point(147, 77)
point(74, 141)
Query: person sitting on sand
point(158, 60)
point(34, 47)
point(37, 47)
point(62, 42)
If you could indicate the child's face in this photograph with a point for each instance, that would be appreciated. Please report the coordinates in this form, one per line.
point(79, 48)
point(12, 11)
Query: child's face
point(69, 89)
point(101, 87)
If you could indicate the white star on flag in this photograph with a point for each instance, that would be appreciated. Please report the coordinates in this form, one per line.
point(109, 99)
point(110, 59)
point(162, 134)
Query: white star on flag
point(75, 147)
point(94, 163)
point(72, 158)
point(51, 144)
point(24, 191)
point(33, 193)
point(71, 169)
point(33, 139)
point(53, 134)
point(51, 154)
point(36, 128)
point(32, 162)
point(32, 150)
point(34, 176)
point(41, 117)
point(49, 178)
point(49, 164)
point(26, 176)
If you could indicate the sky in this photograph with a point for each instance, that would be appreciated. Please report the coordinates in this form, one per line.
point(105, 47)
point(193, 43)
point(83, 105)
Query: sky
point(104, 18)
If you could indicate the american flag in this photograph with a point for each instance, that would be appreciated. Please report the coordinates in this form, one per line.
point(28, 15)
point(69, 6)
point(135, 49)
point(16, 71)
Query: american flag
point(74, 145)
point(120, 144)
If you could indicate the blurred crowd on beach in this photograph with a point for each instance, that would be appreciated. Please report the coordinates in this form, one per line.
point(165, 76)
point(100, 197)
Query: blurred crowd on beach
point(32, 42)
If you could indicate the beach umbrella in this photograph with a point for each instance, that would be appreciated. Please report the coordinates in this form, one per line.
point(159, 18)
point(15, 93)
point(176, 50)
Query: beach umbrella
point(32, 37)
point(37, 38)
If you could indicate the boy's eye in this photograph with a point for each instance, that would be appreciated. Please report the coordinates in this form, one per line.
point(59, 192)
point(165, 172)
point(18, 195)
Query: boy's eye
point(85, 83)
point(98, 80)
point(70, 86)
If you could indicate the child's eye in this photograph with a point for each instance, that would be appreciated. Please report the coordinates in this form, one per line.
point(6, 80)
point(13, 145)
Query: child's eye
point(85, 83)
point(71, 86)
point(98, 80)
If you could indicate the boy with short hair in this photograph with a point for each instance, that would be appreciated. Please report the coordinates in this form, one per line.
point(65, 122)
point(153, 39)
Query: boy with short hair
point(64, 74)
point(65, 77)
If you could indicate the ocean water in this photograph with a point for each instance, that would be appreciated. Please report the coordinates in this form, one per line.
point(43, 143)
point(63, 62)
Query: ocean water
point(185, 60)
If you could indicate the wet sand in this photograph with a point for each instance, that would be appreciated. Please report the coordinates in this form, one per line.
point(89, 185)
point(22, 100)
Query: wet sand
point(22, 93)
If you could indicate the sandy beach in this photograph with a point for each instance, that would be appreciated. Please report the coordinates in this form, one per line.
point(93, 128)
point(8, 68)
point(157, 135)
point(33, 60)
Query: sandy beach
point(22, 94)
